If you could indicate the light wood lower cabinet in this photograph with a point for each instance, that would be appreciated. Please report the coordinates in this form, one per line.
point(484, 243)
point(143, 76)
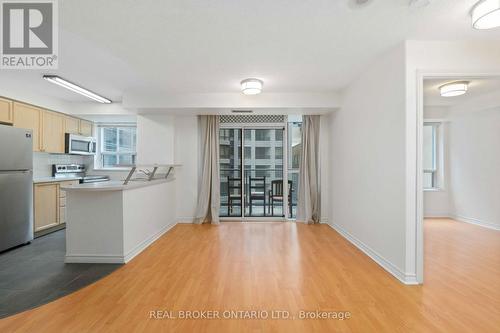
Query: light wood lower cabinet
point(6, 112)
point(46, 199)
point(50, 204)
point(62, 200)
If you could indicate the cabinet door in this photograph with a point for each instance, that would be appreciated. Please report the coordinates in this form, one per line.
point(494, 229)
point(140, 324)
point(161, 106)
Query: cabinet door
point(85, 128)
point(6, 111)
point(71, 125)
point(62, 200)
point(29, 117)
point(46, 198)
point(52, 132)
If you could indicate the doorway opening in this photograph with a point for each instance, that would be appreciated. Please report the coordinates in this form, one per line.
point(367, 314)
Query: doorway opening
point(457, 184)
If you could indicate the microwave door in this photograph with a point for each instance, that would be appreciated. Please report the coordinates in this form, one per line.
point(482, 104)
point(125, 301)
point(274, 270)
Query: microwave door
point(81, 147)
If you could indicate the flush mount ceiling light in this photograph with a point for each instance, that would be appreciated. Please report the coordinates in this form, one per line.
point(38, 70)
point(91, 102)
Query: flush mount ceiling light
point(486, 14)
point(75, 88)
point(454, 89)
point(251, 86)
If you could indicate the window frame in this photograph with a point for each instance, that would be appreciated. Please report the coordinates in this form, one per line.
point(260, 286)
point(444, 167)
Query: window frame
point(436, 170)
point(98, 159)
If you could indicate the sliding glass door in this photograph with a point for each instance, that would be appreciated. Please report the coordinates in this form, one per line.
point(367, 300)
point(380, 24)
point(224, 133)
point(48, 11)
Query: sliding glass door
point(231, 192)
point(263, 172)
point(259, 168)
point(294, 153)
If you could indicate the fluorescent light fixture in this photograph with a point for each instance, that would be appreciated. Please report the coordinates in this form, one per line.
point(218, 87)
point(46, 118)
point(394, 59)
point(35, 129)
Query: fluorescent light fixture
point(73, 87)
point(486, 14)
point(251, 86)
point(454, 89)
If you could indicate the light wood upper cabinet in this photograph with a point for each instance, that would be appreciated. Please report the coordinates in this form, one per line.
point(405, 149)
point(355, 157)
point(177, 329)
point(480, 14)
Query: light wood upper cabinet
point(46, 199)
point(48, 127)
point(29, 117)
point(6, 112)
point(52, 132)
point(71, 125)
point(85, 128)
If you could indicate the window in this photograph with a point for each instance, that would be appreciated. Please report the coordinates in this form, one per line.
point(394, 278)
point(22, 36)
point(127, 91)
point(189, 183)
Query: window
point(117, 146)
point(262, 135)
point(262, 153)
point(430, 155)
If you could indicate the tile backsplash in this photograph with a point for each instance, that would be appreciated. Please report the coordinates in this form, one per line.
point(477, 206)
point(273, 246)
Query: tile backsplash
point(42, 162)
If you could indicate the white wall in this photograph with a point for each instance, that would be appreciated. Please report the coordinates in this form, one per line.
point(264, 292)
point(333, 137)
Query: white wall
point(473, 162)
point(155, 139)
point(367, 163)
point(186, 153)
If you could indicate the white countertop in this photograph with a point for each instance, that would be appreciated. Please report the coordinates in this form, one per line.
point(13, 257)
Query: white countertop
point(113, 185)
point(54, 179)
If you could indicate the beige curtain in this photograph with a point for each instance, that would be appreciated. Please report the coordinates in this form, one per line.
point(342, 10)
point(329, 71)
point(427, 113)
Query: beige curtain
point(308, 201)
point(209, 191)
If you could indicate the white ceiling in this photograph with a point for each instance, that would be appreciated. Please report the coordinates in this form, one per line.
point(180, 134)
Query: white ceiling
point(116, 47)
point(477, 88)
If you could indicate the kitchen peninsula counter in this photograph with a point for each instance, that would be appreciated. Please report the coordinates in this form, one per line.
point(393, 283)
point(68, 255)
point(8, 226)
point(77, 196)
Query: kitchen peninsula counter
point(109, 222)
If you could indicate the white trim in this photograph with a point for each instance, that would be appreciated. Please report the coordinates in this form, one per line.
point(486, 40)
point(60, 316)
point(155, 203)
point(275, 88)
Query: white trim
point(408, 279)
point(185, 220)
point(437, 216)
point(434, 189)
point(97, 259)
point(148, 241)
point(414, 197)
point(117, 259)
point(324, 220)
point(471, 220)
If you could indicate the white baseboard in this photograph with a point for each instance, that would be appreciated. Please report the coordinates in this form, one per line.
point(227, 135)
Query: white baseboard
point(117, 259)
point(409, 279)
point(185, 220)
point(93, 259)
point(148, 241)
point(437, 216)
point(323, 220)
point(464, 219)
point(477, 222)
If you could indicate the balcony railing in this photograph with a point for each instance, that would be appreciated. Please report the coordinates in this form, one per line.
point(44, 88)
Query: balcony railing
point(268, 206)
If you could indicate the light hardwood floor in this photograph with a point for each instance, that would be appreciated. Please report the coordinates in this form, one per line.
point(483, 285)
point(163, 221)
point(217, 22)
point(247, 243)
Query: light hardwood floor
point(285, 266)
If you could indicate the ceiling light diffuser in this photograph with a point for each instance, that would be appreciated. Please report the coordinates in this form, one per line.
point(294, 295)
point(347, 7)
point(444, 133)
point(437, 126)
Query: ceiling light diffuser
point(486, 14)
point(454, 89)
point(75, 88)
point(251, 86)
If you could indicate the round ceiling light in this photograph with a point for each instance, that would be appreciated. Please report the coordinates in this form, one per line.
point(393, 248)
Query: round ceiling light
point(251, 86)
point(454, 89)
point(486, 14)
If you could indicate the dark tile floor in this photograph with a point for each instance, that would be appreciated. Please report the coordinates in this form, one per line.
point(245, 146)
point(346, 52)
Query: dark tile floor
point(36, 274)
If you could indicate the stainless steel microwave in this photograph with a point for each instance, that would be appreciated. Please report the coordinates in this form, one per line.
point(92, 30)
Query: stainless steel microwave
point(80, 145)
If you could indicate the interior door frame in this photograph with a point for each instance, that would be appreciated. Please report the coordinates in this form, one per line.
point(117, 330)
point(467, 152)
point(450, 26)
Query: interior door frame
point(242, 127)
point(416, 226)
